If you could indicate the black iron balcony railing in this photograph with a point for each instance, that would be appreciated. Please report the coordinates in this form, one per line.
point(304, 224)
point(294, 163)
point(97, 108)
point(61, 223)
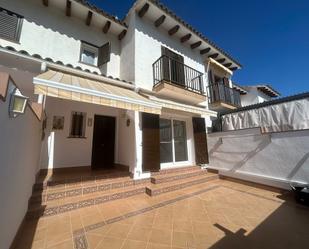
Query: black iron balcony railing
point(218, 92)
point(175, 72)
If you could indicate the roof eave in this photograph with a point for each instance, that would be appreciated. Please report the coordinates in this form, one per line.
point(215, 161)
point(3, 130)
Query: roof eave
point(193, 30)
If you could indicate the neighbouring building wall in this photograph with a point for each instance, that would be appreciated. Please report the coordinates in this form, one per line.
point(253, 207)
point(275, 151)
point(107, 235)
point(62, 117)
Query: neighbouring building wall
point(253, 96)
point(49, 33)
point(19, 158)
point(272, 158)
point(59, 151)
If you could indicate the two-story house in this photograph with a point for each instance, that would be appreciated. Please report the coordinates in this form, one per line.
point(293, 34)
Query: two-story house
point(136, 93)
point(143, 81)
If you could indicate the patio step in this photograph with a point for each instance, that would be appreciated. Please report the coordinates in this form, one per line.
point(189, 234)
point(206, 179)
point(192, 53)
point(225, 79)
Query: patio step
point(69, 182)
point(175, 170)
point(157, 189)
point(72, 203)
point(82, 188)
point(177, 176)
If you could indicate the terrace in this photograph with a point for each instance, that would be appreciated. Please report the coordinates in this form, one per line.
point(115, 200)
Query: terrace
point(217, 214)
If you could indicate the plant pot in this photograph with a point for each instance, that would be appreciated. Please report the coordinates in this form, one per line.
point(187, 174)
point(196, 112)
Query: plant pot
point(301, 193)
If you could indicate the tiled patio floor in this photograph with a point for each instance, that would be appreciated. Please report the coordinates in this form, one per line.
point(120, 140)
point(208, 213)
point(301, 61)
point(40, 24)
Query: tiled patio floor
point(217, 214)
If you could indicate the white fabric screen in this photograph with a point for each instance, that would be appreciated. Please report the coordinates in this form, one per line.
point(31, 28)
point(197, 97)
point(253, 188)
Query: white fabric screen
point(293, 115)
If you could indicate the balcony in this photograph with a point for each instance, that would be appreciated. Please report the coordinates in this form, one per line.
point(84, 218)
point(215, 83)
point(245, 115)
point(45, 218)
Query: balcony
point(175, 80)
point(222, 97)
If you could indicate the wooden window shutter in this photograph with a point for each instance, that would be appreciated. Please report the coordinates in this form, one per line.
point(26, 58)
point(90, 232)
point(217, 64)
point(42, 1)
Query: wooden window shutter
point(104, 54)
point(211, 77)
point(200, 140)
point(151, 142)
point(173, 65)
point(165, 71)
point(10, 25)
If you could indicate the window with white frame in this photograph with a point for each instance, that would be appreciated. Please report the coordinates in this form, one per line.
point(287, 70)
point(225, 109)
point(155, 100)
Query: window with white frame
point(173, 141)
point(94, 55)
point(78, 124)
point(89, 54)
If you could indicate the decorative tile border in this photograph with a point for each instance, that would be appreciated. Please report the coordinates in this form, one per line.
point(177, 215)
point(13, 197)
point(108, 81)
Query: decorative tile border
point(43, 198)
point(158, 191)
point(71, 182)
point(155, 180)
point(50, 211)
point(79, 236)
point(176, 170)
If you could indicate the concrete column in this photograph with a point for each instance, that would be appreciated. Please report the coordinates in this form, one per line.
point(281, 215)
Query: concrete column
point(138, 170)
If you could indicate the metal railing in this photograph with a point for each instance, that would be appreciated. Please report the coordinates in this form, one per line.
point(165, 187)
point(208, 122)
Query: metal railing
point(218, 92)
point(175, 72)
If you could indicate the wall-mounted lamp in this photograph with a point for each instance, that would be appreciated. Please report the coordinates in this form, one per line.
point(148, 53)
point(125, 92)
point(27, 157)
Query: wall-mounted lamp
point(18, 103)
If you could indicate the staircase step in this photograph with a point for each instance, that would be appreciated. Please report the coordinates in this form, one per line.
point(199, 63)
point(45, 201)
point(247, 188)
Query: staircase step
point(177, 176)
point(175, 170)
point(54, 208)
point(77, 181)
point(157, 189)
point(47, 195)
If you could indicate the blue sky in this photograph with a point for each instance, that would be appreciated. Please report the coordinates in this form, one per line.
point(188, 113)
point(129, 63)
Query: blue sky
point(270, 38)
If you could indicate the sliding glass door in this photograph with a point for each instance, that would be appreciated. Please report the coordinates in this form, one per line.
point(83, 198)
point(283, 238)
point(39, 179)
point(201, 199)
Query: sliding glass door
point(173, 141)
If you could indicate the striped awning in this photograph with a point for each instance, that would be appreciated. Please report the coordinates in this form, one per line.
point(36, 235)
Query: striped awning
point(69, 86)
point(172, 105)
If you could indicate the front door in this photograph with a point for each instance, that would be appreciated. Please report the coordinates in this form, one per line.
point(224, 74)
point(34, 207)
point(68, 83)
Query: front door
point(103, 145)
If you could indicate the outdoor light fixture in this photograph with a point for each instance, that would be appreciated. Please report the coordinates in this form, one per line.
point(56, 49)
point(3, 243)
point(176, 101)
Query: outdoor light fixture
point(18, 103)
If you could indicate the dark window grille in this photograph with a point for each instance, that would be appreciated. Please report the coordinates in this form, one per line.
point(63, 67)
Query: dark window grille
point(78, 124)
point(10, 25)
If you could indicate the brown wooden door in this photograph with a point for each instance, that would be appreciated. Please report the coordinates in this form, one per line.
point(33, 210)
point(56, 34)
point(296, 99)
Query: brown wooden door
point(103, 144)
point(200, 140)
point(151, 142)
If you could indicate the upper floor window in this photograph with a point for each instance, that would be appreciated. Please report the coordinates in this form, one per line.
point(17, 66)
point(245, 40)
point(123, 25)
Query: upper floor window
point(10, 25)
point(94, 55)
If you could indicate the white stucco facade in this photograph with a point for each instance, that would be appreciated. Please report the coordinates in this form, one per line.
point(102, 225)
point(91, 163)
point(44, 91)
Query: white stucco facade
point(61, 151)
point(148, 43)
point(19, 157)
point(50, 34)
